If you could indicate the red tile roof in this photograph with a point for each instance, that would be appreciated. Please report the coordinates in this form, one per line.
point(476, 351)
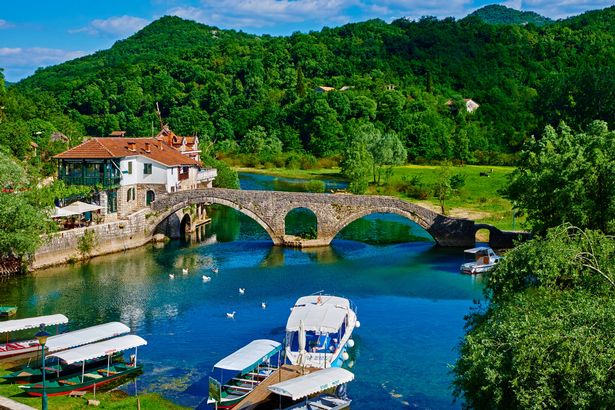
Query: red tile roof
point(109, 147)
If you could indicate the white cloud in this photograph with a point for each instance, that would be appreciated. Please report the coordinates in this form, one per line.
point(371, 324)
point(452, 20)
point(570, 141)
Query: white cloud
point(117, 26)
point(19, 62)
point(265, 13)
point(5, 24)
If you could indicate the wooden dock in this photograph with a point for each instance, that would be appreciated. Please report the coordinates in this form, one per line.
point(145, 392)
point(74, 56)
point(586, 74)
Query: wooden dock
point(261, 395)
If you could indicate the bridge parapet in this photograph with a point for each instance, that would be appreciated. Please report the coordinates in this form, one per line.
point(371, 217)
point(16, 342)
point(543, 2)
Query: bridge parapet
point(333, 213)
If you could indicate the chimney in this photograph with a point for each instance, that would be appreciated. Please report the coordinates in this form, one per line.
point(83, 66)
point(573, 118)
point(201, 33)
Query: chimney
point(147, 149)
point(160, 145)
point(131, 146)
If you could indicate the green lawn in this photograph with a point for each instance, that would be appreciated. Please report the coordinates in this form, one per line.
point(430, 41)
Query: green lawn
point(108, 400)
point(478, 199)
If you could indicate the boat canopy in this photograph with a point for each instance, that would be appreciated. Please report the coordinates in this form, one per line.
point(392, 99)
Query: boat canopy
point(318, 313)
point(100, 349)
point(249, 356)
point(32, 323)
point(477, 250)
point(85, 336)
point(312, 383)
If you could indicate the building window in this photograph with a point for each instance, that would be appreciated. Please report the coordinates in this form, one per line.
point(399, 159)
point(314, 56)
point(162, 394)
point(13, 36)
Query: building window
point(147, 169)
point(129, 167)
point(130, 195)
point(150, 196)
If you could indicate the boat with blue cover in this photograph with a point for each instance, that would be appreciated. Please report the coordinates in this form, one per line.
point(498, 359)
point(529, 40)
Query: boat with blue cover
point(238, 374)
point(319, 330)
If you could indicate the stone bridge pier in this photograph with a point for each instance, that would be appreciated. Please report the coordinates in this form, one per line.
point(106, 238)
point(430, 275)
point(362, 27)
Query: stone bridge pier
point(333, 213)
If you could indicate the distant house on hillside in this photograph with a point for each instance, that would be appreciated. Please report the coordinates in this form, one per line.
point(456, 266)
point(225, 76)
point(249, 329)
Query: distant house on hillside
point(347, 87)
point(188, 146)
point(131, 172)
point(324, 89)
point(117, 134)
point(471, 105)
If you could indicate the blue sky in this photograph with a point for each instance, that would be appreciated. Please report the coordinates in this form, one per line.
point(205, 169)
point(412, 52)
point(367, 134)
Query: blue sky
point(42, 32)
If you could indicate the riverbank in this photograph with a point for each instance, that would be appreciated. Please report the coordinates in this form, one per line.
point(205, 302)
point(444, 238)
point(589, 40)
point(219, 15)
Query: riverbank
point(478, 199)
point(114, 399)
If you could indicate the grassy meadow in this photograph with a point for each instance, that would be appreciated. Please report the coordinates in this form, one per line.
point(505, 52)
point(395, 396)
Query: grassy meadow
point(478, 199)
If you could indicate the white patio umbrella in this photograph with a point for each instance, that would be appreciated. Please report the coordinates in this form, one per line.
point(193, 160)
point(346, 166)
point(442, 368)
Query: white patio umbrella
point(63, 213)
point(81, 207)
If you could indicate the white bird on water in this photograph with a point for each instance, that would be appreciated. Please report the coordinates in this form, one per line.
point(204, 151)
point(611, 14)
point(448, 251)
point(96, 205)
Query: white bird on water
point(171, 275)
point(206, 278)
point(264, 305)
point(214, 269)
point(231, 315)
point(185, 271)
point(242, 290)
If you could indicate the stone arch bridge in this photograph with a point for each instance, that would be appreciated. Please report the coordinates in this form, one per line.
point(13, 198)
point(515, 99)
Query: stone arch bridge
point(333, 212)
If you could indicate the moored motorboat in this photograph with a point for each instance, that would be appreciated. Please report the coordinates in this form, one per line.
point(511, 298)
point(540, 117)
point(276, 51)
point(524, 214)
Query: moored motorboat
point(66, 341)
point(319, 330)
point(11, 349)
point(95, 377)
point(6, 311)
point(483, 260)
point(238, 374)
point(316, 385)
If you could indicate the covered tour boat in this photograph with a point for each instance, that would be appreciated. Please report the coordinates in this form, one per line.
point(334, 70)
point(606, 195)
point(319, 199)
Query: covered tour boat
point(316, 385)
point(483, 259)
point(17, 348)
point(94, 377)
point(238, 374)
point(67, 341)
point(319, 330)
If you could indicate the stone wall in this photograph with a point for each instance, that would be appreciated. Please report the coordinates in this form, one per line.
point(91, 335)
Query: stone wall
point(61, 247)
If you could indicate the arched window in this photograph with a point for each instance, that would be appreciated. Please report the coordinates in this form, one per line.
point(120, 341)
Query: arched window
point(150, 196)
point(130, 195)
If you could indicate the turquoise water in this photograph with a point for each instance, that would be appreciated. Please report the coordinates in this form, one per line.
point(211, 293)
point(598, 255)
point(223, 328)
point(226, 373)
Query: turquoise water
point(410, 296)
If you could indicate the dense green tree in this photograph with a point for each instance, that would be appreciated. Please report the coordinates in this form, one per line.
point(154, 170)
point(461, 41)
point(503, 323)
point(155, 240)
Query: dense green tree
point(357, 163)
point(567, 177)
point(546, 338)
point(22, 220)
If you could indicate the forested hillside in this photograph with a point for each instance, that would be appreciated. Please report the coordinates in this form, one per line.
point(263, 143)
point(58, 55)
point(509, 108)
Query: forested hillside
point(498, 14)
point(408, 78)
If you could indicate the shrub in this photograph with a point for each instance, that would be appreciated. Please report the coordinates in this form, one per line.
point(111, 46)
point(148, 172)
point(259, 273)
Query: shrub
point(86, 243)
point(315, 185)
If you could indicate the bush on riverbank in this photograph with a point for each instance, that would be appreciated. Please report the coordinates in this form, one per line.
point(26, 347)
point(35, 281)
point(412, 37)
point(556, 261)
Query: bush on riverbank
point(546, 338)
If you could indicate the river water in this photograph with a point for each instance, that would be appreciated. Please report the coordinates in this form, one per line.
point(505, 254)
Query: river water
point(410, 296)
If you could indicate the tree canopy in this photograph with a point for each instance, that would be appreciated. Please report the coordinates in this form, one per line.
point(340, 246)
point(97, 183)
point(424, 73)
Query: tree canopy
point(547, 338)
point(567, 177)
point(406, 77)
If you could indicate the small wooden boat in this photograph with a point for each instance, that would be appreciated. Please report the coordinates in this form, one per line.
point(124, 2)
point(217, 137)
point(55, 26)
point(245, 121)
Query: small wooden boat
point(17, 348)
point(316, 384)
point(65, 341)
point(319, 330)
point(6, 311)
point(483, 259)
point(239, 373)
point(94, 377)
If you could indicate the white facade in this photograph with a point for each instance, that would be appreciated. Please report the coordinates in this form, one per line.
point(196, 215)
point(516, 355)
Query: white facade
point(160, 174)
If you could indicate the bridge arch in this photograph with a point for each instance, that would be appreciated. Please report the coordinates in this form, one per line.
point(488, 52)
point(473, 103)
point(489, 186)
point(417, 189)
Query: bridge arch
point(382, 210)
point(310, 227)
point(220, 201)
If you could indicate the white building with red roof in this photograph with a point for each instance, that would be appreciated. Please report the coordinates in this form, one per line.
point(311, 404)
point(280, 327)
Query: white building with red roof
point(131, 172)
